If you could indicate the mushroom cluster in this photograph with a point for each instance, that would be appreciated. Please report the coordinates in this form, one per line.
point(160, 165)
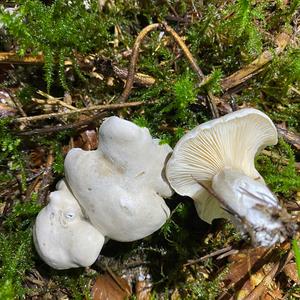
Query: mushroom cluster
point(114, 192)
point(214, 165)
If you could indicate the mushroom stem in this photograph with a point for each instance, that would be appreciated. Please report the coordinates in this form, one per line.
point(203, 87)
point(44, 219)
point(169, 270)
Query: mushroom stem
point(256, 209)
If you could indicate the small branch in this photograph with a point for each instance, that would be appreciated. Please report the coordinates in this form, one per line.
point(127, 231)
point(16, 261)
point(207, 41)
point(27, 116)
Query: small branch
point(87, 109)
point(133, 61)
point(185, 50)
point(215, 253)
point(14, 58)
point(134, 57)
point(52, 129)
point(54, 102)
point(139, 78)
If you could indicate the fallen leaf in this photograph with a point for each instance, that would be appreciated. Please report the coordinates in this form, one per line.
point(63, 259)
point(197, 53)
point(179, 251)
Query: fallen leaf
point(6, 110)
point(245, 272)
point(290, 270)
point(273, 294)
point(87, 140)
point(143, 289)
point(108, 288)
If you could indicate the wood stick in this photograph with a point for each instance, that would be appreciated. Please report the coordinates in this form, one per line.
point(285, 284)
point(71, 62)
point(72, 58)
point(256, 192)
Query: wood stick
point(14, 58)
point(87, 109)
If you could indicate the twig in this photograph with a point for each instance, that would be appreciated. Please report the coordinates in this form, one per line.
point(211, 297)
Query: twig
point(185, 50)
point(215, 253)
point(87, 109)
point(134, 57)
point(12, 58)
point(139, 78)
point(52, 101)
point(230, 252)
point(133, 61)
point(18, 105)
point(49, 130)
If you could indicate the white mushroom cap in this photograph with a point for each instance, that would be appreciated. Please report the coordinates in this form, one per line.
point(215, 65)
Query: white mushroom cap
point(120, 185)
point(63, 237)
point(231, 141)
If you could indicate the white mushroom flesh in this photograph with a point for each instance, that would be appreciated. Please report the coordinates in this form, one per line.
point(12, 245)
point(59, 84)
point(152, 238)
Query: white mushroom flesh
point(63, 237)
point(120, 185)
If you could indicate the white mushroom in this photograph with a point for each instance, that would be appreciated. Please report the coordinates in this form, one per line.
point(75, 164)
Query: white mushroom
point(219, 155)
point(120, 185)
point(62, 236)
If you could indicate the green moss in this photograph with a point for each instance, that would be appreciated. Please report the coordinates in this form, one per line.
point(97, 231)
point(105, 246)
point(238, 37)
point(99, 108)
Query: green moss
point(11, 157)
point(279, 170)
point(57, 30)
point(203, 289)
point(16, 249)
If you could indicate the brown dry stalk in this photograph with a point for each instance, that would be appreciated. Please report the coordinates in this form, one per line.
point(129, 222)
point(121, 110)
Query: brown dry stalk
point(81, 124)
point(185, 50)
point(134, 57)
point(215, 253)
point(139, 78)
point(54, 102)
point(47, 179)
point(14, 58)
point(133, 60)
point(87, 109)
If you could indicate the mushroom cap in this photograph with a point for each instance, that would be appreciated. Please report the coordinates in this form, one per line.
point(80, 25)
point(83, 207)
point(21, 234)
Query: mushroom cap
point(230, 141)
point(63, 237)
point(120, 185)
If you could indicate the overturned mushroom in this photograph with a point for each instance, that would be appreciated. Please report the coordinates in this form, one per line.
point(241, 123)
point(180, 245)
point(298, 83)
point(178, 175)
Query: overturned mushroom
point(217, 158)
point(114, 192)
point(62, 235)
point(120, 185)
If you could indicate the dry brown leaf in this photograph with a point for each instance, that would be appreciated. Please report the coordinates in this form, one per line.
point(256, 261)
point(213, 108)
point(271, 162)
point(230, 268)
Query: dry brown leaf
point(175, 295)
point(108, 288)
point(243, 262)
point(143, 290)
point(38, 157)
point(274, 294)
point(290, 270)
point(244, 272)
point(6, 110)
point(87, 140)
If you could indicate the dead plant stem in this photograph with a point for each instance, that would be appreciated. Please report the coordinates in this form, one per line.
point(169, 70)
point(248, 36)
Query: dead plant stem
point(87, 109)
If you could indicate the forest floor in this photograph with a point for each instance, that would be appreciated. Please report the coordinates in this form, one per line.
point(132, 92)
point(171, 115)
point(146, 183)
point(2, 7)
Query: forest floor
point(167, 66)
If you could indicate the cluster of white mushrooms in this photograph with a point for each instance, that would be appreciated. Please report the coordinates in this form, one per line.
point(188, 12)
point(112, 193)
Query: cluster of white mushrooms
point(116, 192)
